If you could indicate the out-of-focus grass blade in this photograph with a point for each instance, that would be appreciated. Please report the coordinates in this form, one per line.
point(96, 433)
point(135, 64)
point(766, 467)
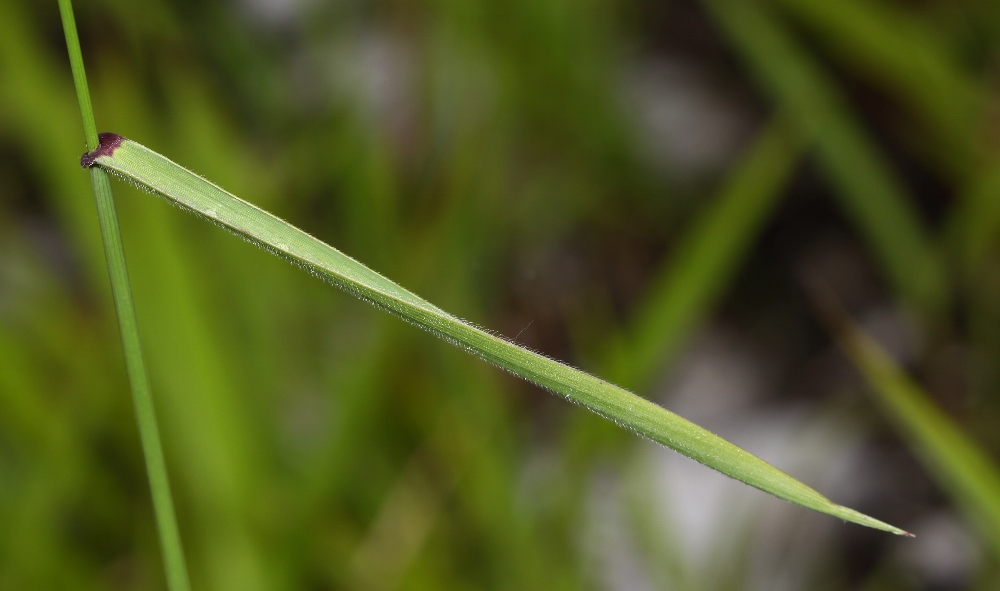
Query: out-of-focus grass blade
point(973, 226)
point(867, 189)
point(705, 258)
point(902, 53)
point(138, 164)
point(899, 52)
point(957, 463)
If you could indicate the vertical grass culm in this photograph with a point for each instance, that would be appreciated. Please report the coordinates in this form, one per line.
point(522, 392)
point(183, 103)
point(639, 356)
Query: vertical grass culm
point(170, 541)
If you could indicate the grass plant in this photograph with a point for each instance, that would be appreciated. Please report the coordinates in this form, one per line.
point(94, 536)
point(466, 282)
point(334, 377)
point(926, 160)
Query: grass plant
point(543, 168)
point(142, 397)
point(135, 163)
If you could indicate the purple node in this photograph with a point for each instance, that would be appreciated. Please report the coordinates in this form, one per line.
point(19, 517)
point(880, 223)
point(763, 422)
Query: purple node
point(107, 144)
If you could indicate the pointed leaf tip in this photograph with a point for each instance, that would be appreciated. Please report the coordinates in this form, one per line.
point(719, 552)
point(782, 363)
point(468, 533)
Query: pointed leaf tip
point(848, 514)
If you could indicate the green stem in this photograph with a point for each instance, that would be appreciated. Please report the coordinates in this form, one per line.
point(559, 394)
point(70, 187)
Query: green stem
point(173, 554)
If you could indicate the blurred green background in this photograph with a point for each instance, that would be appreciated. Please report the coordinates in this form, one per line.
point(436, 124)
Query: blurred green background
point(639, 188)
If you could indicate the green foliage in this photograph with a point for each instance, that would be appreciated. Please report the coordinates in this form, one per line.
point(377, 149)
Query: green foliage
point(482, 154)
point(145, 168)
point(114, 251)
point(964, 469)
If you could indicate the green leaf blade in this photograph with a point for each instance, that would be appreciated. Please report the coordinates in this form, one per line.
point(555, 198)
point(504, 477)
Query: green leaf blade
point(140, 165)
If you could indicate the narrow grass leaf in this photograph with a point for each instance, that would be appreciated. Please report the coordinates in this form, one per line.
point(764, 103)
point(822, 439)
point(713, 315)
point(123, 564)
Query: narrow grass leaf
point(868, 191)
point(147, 169)
point(972, 228)
point(705, 257)
point(900, 52)
point(957, 463)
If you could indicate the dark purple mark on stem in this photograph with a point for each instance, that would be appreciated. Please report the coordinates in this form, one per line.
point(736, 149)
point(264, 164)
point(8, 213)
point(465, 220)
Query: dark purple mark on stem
point(107, 144)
